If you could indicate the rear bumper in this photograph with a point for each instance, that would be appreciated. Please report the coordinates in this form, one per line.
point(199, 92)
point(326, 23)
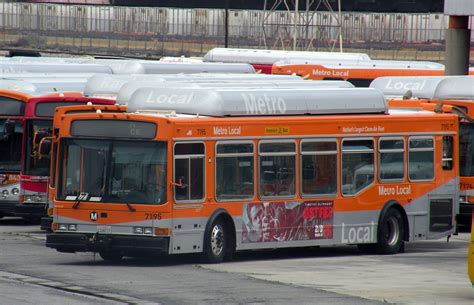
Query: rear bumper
point(82, 242)
point(35, 210)
point(7, 208)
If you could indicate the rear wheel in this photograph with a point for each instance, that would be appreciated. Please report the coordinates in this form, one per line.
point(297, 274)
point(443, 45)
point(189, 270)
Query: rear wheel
point(111, 256)
point(390, 233)
point(215, 243)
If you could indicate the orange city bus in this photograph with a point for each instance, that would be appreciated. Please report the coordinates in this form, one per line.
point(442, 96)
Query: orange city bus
point(359, 73)
point(213, 171)
point(437, 93)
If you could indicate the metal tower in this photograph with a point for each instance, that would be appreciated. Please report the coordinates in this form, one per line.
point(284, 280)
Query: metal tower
point(285, 26)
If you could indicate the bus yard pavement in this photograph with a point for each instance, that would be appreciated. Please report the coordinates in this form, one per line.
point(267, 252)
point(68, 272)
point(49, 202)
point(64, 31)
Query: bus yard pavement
point(429, 272)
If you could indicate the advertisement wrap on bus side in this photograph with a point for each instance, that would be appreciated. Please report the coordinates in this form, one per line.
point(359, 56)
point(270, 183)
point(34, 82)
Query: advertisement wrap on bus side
point(286, 221)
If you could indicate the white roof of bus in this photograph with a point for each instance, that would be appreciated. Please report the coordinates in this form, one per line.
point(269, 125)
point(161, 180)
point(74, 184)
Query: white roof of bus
point(180, 59)
point(43, 85)
point(455, 87)
point(256, 102)
point(256, 56)
point(372, 64)
point(420, 86)
point(110, 84)
point(13, 67)
point(128, 89)
point(156, 67)
point(431, 87)
point(20, 86)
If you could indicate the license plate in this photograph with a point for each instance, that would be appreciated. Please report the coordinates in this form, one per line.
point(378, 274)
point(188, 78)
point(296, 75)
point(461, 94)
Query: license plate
point(104, 229)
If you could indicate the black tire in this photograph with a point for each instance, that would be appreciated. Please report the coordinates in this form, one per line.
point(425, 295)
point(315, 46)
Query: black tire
point(390, 233)
point(111, 256)
point(215, 243)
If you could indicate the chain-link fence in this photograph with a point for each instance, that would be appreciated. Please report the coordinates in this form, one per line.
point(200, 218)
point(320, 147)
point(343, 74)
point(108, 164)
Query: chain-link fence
point(155, 32)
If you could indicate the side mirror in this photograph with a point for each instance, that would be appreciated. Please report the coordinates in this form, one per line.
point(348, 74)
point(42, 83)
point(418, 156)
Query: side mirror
point(44, 148)
point(8, 129)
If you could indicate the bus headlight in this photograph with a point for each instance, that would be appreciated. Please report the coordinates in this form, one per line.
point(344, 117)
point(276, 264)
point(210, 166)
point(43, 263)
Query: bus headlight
point(15, 191)
point(5, 193)
point(148, 231)
point(72, 227)
point(62, 227)
point(35, 198)
point(138, 230)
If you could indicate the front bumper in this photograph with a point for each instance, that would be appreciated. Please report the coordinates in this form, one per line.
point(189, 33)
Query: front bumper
point(7, 208)
point(32, 210)
point(83, 242)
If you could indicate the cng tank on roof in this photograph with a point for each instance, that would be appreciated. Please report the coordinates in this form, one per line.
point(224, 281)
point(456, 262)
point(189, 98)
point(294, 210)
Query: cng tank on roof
point(129, 88)
point(258, 102)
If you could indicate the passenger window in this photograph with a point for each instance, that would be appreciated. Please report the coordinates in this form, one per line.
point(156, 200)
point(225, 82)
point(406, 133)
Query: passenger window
point(189, 171)
point(234, 171)
point(421, 158)
point(391, 160)
point(357, 165)
point(319, 167)
point(277, 169)
point(448, 153)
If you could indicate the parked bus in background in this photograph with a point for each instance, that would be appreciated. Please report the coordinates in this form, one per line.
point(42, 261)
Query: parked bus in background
point(38, 123)
point(359, 73)
point(59, 112)
point(237, 169)
point(12, 111)
point(434, 93)
point(262, 60)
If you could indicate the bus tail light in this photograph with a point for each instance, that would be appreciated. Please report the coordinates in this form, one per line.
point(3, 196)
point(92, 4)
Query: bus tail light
point(163, 231)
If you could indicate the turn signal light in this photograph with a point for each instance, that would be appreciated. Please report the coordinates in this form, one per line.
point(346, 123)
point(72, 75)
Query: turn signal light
point(470, 199)
point(54, 227)
point(50, 212)
point(163, 231)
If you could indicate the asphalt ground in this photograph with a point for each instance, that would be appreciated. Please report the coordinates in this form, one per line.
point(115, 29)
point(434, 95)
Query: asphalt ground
point(429, 272)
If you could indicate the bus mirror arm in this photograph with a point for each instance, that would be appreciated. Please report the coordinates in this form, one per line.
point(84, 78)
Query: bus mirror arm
point(44, 147)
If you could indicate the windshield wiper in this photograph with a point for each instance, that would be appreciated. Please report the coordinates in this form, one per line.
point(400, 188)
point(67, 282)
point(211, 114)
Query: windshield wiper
point(79, 198)
point(130, 207)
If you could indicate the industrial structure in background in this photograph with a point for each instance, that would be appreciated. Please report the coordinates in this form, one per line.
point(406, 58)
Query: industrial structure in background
point(158, 31)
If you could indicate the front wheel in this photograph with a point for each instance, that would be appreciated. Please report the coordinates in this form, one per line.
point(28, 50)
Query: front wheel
point(215, 243)
point(390, 233)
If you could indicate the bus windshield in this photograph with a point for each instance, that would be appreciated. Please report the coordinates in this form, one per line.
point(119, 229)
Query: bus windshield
point(10, 147)
point(34, 163)
point(466, 149)
point(113, 171)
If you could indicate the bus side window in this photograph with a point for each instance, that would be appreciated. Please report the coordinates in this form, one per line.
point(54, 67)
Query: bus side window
point(234, 171)
point(277, 168)
point(357, 165)
point(421, 158)
point(189, 172)
point(447, 152)
point(319, 167)
point(391, 159)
